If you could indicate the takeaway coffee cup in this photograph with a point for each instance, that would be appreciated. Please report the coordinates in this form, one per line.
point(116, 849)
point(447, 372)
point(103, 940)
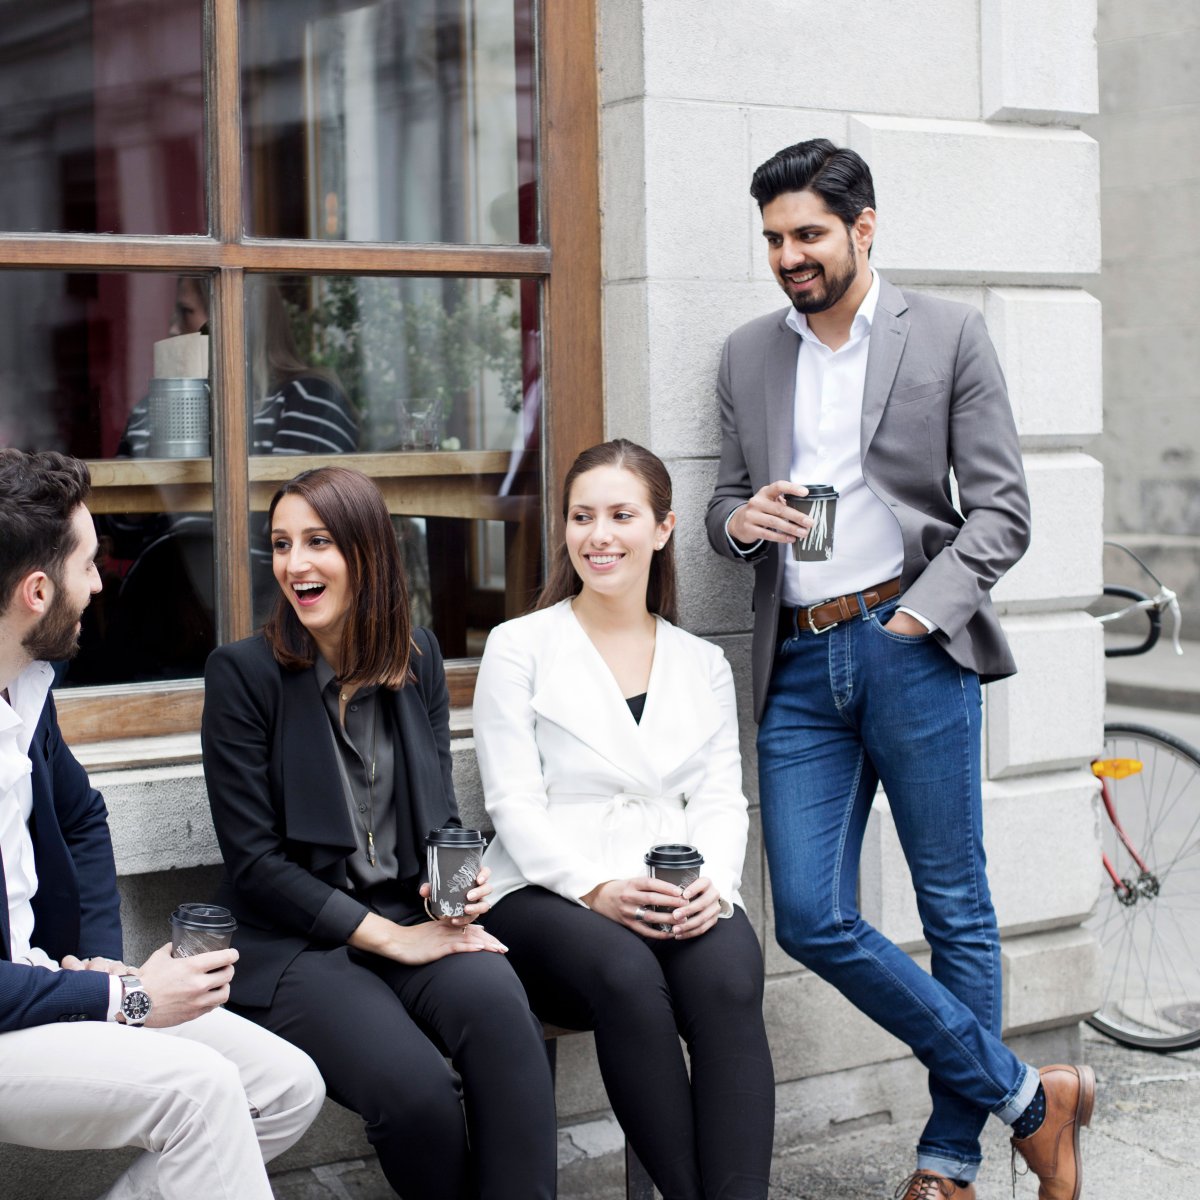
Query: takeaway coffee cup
point(821, 505)
point(675, 863)
point(454, 857)
point(199, 928)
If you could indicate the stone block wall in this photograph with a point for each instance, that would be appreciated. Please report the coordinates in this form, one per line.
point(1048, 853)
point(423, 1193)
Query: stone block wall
point(1148, 128)
point(988, 193)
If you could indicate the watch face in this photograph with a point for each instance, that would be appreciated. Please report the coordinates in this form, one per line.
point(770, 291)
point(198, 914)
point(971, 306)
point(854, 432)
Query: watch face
point(136, 1006)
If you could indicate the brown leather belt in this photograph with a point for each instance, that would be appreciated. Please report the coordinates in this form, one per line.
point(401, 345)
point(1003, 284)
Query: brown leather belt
point(820, 617)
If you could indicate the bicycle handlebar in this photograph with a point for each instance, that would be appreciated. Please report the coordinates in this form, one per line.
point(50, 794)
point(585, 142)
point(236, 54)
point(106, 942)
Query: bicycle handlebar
point(1153, 616)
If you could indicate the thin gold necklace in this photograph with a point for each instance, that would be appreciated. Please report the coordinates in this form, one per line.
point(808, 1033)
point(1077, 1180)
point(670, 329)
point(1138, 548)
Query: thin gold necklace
point(369, 829)
point(371, 785)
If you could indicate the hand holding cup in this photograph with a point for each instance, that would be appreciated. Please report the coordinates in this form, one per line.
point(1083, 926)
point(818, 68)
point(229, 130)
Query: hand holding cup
point(767, 517)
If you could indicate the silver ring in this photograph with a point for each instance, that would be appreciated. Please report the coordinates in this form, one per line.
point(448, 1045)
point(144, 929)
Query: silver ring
point(639, 913)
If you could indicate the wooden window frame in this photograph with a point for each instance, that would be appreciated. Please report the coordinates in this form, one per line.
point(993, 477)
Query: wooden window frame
point(566, 263)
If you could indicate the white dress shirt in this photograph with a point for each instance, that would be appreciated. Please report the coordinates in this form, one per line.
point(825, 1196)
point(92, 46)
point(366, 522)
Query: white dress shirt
point(18, 719)
point(827, 448)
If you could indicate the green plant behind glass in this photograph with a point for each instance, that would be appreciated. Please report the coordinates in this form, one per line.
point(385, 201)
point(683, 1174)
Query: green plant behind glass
point(410, 345)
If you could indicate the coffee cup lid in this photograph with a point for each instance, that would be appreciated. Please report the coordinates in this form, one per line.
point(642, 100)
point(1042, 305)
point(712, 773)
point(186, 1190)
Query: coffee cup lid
point(204, 916)
point(451, 835)
point(820, 491)
point(673, 854)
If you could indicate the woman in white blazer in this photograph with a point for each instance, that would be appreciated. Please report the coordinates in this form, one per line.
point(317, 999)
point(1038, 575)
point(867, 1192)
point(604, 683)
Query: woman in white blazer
point(602, 729)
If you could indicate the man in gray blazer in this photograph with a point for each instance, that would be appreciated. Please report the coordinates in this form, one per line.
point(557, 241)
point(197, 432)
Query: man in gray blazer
point(869, 652)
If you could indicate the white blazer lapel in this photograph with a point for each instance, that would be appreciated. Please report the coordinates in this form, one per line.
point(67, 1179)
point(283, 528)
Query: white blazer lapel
point(578, 692)
point(681, 714)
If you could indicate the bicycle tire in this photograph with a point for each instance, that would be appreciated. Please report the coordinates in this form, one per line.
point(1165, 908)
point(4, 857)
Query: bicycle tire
point(1150, 976)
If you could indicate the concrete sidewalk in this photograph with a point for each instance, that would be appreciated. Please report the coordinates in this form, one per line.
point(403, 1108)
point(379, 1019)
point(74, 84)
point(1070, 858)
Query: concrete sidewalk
point(1144, 1140)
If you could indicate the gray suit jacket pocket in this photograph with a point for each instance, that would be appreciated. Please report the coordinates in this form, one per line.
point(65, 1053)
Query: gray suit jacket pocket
point(916, 391)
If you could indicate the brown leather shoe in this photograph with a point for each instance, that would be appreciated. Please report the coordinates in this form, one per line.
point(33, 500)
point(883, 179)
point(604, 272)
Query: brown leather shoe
point(1053, 1151)
point(929, 1185)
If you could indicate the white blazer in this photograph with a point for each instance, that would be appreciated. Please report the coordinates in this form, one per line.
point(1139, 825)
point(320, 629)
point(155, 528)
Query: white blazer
point(577, 790)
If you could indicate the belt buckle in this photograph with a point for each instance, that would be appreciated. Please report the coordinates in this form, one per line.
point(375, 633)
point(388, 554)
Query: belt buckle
point(817, 628)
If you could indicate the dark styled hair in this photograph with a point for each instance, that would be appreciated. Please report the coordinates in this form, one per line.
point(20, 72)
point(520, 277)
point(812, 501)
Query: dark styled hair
point(377, 636)
point(838, 175)
point(564, 581)
point(39, 494)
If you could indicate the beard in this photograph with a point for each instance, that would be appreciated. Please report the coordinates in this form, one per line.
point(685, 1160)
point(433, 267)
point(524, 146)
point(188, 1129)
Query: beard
point(837, 283)
point(55, 638)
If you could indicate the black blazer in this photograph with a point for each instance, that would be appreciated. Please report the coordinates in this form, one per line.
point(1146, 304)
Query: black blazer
point(76, 909)
point(278, 806)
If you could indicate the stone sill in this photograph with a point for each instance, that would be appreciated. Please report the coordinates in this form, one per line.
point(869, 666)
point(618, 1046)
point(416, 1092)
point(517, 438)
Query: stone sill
point(182, 749)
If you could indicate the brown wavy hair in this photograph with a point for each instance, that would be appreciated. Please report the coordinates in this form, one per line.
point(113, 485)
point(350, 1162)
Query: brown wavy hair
point(377, 637)
point(661, 593)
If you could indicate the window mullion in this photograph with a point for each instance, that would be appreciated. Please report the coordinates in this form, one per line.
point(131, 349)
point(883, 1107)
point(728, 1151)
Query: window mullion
point(224, 128)
point(231, 485)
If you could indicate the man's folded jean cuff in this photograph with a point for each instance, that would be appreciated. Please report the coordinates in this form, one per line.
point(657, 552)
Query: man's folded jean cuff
point(1020, 1100)
point(952, 1168)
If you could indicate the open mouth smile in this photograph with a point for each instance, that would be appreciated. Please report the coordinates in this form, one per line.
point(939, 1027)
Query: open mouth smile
point(308, 592)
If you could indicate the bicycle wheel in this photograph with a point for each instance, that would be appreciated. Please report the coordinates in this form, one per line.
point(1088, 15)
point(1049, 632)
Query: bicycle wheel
point(1146, 925)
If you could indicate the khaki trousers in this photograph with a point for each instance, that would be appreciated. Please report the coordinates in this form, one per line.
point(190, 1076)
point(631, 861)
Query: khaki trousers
point(186, 1095)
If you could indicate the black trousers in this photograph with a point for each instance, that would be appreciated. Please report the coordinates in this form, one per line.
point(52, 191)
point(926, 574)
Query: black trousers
point(707, 1139)
point(378, 1031)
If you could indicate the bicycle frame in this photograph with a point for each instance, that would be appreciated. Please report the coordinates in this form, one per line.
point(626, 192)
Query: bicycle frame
point(1147, 885)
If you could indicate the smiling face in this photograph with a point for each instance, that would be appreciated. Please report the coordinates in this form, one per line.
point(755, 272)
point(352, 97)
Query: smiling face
point(816, 259)
point(612, 532)
point(312, 572)
point(55, 637)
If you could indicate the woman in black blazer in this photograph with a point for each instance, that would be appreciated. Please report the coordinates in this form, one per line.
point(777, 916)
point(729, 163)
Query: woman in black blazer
point(327, 758)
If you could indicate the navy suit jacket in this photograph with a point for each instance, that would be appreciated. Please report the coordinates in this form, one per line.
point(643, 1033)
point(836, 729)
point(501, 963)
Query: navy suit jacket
point(76, 908)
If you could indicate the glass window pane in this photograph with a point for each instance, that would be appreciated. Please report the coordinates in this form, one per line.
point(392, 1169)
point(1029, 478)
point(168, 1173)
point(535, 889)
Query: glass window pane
point(397, 120)
point(90, 368)
point(431, 386)
point(102, 117)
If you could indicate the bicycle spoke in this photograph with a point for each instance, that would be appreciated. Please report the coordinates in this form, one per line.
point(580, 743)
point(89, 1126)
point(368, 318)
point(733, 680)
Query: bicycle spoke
point(1150, 961)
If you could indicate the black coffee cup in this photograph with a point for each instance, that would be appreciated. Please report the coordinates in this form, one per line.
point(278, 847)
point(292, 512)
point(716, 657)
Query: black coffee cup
point(200, 928)
point(454, 857)
point(821, 505)
point(675, 863)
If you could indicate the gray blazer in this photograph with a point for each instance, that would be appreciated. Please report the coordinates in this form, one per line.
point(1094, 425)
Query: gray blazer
point(934, 400)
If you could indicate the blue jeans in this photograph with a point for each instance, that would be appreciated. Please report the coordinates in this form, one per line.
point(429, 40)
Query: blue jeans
point(846, 709)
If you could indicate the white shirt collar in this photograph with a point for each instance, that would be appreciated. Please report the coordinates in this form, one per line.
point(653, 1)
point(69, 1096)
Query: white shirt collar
point(860, 327)
point(26, 699)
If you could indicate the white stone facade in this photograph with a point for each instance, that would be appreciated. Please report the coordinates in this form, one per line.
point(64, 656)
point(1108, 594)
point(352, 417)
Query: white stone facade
point(987, 192)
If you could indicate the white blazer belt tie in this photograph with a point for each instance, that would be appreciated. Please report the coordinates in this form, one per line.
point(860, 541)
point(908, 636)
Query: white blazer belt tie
point(643, 810)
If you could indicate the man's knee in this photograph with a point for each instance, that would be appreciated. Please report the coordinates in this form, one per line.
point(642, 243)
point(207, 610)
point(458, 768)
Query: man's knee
point(304, 1091)
point(808, 934)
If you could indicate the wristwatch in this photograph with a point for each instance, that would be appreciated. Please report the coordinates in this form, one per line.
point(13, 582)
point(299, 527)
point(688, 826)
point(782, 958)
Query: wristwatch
point(135, 1000)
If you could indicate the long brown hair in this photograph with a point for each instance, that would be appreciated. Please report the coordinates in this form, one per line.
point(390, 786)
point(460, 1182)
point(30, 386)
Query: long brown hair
point(377, 636)
point(563, 580)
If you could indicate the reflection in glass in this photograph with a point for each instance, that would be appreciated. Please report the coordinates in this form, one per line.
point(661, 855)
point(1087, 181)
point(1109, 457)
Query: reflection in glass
point(393, 120)
point(102, 117)
point(443, 377)
point(421, 364)
point(77, 367)
point(297, 404)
